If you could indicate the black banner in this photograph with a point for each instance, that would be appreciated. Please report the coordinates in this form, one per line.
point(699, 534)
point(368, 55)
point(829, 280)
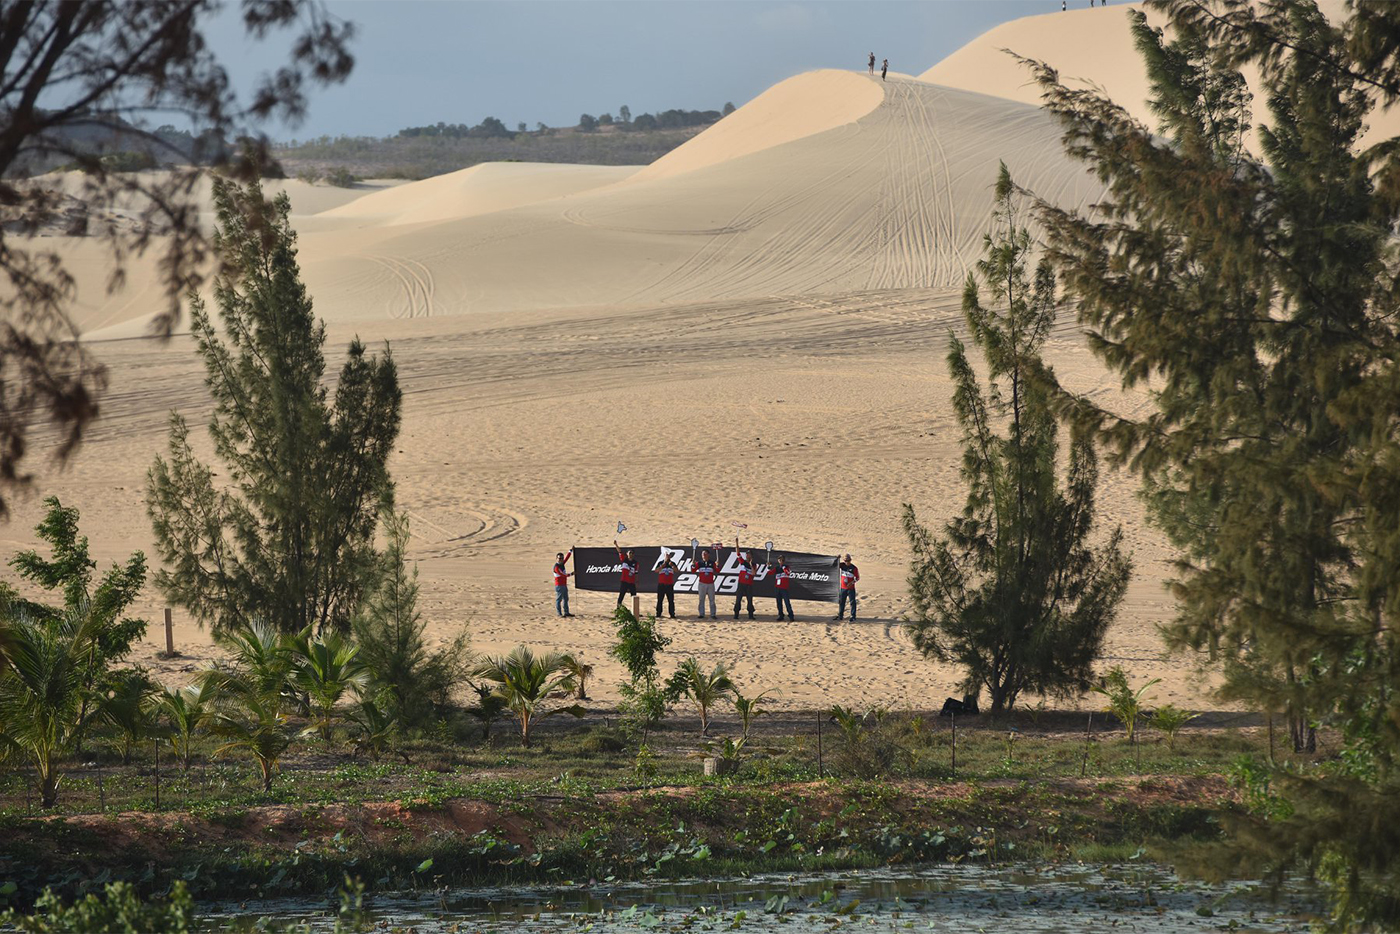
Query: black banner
point(814, 577)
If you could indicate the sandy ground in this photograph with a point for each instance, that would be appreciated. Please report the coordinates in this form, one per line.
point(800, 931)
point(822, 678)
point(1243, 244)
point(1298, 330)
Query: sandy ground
point(753, 329)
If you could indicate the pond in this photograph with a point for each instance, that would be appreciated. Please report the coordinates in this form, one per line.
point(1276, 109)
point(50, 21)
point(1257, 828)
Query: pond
point(1025, 899)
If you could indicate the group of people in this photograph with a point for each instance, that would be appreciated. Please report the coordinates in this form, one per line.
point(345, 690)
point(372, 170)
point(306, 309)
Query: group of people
point(706, 571)
point(884, 67)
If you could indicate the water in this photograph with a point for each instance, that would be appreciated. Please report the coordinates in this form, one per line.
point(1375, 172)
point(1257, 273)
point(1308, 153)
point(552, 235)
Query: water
point(963, 899)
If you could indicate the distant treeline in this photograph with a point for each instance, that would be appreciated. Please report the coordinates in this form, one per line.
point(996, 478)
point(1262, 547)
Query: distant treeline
point(494, 128)
point(423, 151)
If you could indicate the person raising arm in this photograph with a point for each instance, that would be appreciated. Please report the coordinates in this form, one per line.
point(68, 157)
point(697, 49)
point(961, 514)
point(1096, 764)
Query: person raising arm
point(628, 560)
point(561, 583)
point(745, 589)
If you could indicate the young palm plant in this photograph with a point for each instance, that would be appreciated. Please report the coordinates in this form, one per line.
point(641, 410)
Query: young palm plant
point(325, 670)
point(1123, 702)
point(251, 696)
point(254, 723)
point(749, 710)
point(705, 688)
point(183, 711)
point(125, 707)
point(376, 730)
point(42, 693)
point(525, 681)
point(580, 673)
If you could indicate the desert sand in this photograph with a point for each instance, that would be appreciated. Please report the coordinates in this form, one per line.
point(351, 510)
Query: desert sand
point(752, 329)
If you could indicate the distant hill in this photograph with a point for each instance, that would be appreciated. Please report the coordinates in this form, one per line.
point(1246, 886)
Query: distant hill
point(423, 152)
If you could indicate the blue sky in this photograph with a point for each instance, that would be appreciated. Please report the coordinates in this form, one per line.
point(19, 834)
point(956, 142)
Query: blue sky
point(422, 61)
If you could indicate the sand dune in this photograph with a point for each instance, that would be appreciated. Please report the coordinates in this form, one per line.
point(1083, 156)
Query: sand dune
point(893, 196)
point(481, 189)
point(1091, 48)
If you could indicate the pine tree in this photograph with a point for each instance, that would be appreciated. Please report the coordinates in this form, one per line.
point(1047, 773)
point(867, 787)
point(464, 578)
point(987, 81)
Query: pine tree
point(407, 680)
point(1259, 295)
point(288, 539)
point(1012, 592)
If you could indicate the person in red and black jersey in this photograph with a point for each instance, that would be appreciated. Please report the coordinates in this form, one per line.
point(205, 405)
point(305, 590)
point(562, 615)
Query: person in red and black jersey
point(666, 584)
point(628, 560)
point(782, 579)
point(705, 571)
point(561, 583)
point(849, 575)
point(745, 581)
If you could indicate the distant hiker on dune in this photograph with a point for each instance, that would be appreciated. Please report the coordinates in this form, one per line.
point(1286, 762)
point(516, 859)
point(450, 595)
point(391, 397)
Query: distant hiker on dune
point(872, 63)
point(884, 67)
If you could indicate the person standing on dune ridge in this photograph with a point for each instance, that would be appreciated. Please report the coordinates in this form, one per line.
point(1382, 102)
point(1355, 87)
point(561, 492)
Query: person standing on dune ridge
point(872, 63)
point(884, 67)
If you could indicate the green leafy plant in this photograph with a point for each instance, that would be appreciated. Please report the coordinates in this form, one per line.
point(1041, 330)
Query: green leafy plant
point(489, 707)
point(524, 681)
point(119, 910)
point(183, 711)
point(125, 707)
point(704, 688)
point(749, 709)
point(1123, 702)
point(42, 693)
point(1169, 719)
point(375, 731)
point(325, 670)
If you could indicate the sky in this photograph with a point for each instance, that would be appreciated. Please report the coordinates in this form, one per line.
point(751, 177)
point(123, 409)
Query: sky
point(457, 61)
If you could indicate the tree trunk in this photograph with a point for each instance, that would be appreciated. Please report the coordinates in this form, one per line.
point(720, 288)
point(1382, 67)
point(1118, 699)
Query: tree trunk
point(266, 766)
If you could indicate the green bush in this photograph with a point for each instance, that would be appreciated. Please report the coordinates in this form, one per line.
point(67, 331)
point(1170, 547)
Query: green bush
point(119, 911)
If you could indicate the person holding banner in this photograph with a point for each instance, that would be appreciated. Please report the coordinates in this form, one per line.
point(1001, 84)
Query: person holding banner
point(666, 583)
point(561, 583)
point(849, 575)
point(629, 573)
point(782, 579)
point(745, 588)
point(705, 571)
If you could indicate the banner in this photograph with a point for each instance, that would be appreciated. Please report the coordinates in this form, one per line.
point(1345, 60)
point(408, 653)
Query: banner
point(814, 577)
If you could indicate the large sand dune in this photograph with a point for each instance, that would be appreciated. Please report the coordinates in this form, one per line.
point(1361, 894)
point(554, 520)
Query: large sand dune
point(831, 182)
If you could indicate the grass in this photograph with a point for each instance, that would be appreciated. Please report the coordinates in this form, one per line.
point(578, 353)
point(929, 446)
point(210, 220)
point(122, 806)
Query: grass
point(572, 806)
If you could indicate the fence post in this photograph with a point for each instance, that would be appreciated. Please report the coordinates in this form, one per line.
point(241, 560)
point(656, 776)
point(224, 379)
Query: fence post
point(953, 719)
point(169, 634)
point(636, 606)
point(157, 745)
point(820, 771)
point(1088, 738)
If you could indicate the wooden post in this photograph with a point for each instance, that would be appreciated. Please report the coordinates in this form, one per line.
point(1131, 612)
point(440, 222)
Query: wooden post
point(157, 745)
point(1088, 736)
point(636, 606)
point(953, 719)
point(820, 770)
point(169, 634)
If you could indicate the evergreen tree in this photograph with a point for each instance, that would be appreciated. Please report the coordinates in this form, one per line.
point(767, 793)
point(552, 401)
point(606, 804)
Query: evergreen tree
point(1012, 592)
point(1259, 294)
point(406, 680)
point(288, 539)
